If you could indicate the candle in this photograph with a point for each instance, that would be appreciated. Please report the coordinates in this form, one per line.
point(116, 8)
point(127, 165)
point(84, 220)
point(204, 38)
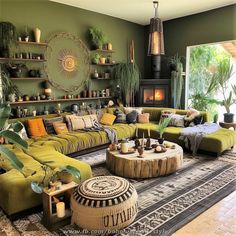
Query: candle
point(148, 132)
point(60, 209)
point(136, 132)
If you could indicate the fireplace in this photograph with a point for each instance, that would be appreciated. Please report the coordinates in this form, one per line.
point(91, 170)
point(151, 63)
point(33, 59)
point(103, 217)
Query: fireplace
point(154, 92)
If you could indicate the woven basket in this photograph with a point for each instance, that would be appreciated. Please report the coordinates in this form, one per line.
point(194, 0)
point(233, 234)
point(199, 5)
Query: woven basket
point(104, 203)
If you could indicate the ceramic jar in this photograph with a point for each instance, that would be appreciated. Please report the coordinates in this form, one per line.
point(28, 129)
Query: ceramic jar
point(124, 146)
point(37, 35)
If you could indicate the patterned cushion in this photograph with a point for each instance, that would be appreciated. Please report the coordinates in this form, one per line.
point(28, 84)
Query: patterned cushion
point(60, 128)
point(130, 109)
point(166, 113)
point(176, 120)
point(120, 116)
point(82, 122)
point(36, 127)
point(107, 119)
point(48, 122)
point(132, 117)
point(143, 118)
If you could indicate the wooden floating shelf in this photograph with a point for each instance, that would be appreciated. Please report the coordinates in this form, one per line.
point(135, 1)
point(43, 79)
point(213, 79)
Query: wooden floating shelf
point(105, 64)
point(21, 59)
point(101, 79)
point(29, 78)
point(58, 100)
point(104, 50)
point(33, 43)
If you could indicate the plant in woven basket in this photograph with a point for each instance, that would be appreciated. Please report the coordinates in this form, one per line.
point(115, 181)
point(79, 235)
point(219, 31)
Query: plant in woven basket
point(10, 133)
point(51, 176)
point(161, 128)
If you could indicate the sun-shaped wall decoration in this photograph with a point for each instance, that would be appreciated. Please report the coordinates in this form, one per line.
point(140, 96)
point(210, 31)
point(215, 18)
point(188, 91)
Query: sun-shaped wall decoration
point(68, 62)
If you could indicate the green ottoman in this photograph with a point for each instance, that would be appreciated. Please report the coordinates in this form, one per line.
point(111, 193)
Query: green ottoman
point(104, 203)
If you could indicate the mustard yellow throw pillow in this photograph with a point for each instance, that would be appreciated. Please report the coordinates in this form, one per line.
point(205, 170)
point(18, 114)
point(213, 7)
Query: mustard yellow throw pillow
point(107, 119)
point(60, 128)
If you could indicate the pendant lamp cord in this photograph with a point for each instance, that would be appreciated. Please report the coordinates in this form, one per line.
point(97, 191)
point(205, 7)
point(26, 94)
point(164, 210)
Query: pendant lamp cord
point(155, 4)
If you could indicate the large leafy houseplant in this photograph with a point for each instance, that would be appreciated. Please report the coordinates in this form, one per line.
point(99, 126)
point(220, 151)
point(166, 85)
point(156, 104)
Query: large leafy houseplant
point(10, 133)
point(223, 75)
point(7, 38)
point(127, 76)
point(98, 37)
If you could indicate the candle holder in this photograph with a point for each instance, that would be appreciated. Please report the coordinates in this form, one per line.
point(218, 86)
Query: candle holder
point(148, 144)
point(140, 151)
point(136, 142)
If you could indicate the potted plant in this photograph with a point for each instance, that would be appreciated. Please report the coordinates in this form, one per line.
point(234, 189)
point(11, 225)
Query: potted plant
point(95, 58)
point(10, 133)
point(26, 34)
point(127, 76)
point(98, 38)
point(223, 74)
point(51, 176)
point(161, 128)
point(102, 59)
point(7, 38)
point(9, 90)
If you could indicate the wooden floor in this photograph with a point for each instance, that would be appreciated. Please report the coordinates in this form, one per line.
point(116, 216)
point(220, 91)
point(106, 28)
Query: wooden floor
point(219, 220)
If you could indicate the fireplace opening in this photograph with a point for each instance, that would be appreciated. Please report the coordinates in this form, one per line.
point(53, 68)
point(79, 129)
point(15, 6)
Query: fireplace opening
point(151, 96)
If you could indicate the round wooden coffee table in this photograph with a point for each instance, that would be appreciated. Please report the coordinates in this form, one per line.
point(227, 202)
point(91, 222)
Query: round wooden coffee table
point(151, 165)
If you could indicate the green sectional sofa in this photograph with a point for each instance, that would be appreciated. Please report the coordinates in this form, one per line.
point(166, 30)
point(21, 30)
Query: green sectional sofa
point(15, 187)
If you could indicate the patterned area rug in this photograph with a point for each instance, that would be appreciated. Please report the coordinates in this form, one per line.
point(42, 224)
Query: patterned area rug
point(165, 204)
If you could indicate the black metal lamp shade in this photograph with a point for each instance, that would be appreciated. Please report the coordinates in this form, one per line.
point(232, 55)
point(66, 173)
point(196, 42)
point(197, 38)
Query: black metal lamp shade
point(156, 38)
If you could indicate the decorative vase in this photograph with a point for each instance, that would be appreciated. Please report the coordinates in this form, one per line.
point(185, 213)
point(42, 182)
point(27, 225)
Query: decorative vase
point(109, 46)
point(37, 35)
point(140, 151)
point(228, 117)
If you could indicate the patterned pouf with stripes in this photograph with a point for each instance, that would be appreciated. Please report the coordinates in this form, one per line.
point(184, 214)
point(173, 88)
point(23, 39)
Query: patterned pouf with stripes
point(104, 203)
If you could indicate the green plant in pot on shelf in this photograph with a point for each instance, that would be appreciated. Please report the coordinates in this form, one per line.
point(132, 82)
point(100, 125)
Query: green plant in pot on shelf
point(51, 177)
point(10, 133)
point(98, 38)
point(10, 90)
point(95, 58)
point(161, 128)
point(7, 38)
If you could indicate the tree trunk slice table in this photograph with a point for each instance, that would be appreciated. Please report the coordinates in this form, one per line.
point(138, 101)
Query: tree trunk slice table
point(151, 165)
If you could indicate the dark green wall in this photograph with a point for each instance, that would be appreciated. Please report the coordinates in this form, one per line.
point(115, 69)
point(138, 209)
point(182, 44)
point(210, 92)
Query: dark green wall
point(207, 27)
point(52, 17)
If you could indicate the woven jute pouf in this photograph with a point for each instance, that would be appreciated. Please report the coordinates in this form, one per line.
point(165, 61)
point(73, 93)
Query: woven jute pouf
point(104, 203)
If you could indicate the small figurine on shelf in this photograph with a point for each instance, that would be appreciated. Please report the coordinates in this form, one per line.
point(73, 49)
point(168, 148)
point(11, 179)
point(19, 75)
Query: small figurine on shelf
point(26, 34)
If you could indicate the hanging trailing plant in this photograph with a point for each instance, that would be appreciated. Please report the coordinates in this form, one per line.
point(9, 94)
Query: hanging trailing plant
point(127, 75)
point(7, 38)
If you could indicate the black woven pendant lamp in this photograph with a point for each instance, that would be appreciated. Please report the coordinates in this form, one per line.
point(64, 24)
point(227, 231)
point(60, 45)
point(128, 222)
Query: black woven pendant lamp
point(156, 39)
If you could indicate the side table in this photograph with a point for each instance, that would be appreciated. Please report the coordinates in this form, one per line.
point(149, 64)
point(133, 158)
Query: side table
point(228, 125)
point(50, 218)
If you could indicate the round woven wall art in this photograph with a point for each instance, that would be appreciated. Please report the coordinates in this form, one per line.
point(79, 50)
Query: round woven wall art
point(68, 62)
